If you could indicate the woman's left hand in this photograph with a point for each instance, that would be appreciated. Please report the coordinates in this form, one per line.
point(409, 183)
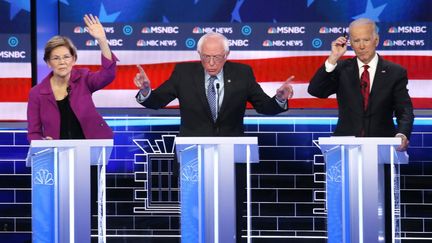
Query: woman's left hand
point(94, 27)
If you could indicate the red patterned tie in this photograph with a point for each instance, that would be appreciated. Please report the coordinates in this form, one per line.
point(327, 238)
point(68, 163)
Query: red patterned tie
point(365, 86)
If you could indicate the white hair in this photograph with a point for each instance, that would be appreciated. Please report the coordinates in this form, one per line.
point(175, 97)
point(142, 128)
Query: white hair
point(213, 35)
point(364, 21)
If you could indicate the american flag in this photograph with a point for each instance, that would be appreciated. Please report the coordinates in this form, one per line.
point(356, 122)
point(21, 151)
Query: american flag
point(270, 67)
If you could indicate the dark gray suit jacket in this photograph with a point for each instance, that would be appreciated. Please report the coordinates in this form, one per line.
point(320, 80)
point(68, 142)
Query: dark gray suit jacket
point(389, 97)
point(187, 84)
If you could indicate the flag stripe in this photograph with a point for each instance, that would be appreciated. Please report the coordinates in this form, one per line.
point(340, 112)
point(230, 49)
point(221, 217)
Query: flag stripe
point(14, 89)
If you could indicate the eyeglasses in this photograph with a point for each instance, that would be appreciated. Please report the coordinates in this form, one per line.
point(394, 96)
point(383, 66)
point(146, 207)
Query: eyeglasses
point(57, 59)
point(216, 58)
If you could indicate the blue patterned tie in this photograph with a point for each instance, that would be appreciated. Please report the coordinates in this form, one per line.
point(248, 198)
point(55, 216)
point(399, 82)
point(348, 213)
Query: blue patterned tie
point(211, 97)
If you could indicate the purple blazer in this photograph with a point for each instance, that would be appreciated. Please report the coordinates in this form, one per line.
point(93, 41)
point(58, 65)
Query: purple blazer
point(43, 115)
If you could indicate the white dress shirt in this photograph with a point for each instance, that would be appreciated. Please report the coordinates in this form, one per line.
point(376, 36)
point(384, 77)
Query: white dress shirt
point(372, 68)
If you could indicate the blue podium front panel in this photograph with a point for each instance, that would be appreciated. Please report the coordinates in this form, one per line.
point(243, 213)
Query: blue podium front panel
point(335, 196)
point(288, 186)
point(362, 199)
point(189, 177)
point(44, 196)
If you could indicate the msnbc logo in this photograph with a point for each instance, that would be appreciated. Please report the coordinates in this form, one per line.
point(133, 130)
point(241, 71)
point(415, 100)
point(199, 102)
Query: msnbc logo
point(272, 30)
point(286, 30)
point(79, 29)
point(408, 29)
point(145, 30)
point(393, 30)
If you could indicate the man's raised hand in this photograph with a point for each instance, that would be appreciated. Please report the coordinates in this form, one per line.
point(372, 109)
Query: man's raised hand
point(142, 81)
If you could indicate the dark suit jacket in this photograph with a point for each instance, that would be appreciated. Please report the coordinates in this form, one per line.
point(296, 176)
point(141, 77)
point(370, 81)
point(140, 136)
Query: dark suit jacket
point(187, 84)
point(389, 97)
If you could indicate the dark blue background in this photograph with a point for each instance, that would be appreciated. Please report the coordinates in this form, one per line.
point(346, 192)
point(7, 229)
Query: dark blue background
point(249, 11)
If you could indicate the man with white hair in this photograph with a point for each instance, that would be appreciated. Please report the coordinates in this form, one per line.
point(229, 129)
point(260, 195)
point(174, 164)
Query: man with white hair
point(369, 89)
point(213, 93)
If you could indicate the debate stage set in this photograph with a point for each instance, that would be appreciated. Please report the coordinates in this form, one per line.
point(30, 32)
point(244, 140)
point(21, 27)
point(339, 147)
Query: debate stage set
point(287, 180)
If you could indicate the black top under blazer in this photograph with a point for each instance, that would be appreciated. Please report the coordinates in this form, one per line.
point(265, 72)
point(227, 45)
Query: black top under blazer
point(389, 97)
point(187, 84)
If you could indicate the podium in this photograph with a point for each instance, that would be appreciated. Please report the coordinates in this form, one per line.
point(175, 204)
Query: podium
point(61, 188)
point(207, 182)
point(355, 182)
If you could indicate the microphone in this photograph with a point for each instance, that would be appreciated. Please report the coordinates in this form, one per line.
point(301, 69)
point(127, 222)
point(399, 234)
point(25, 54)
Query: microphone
point(68, 89)
point(217, 97)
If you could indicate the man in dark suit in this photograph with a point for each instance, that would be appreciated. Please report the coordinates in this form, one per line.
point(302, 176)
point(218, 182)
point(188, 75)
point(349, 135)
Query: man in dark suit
point(369, 91)
point(383, 84)
point(234, 84)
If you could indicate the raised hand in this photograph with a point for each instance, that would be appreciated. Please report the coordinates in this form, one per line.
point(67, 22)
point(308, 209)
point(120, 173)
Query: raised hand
point(142, 81)
point(338, 49)
point(94, 27)
point(285, 91)
point(97, 31)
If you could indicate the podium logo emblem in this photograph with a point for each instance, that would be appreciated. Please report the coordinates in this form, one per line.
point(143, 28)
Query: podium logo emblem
point(334, 173)
point(44, 177)
point(190, 171)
